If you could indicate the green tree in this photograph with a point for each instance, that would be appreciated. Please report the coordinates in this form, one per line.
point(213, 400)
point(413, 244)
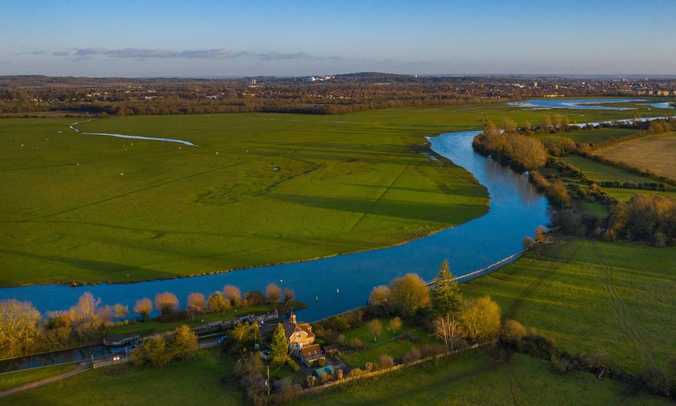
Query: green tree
point(279, 346)
point(481, 318)
point(446, 296)
point(409, 293)
point(185, 342)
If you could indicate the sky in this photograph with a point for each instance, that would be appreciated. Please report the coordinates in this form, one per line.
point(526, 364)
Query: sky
point(295, 38)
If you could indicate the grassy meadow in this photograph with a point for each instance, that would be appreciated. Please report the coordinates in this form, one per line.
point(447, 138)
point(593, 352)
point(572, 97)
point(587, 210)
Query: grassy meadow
point(476, 379)
point(610, 299)
point(595, 136)
point(13, 379)
point(600, 172)
point(258, 189)
point(655, 153)
point(196, 381)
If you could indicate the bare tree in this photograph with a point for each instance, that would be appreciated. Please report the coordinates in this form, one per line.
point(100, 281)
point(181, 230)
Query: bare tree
point(447, 327)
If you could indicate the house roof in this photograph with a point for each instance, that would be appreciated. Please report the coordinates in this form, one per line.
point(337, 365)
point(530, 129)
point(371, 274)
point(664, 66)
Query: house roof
point(311, 350)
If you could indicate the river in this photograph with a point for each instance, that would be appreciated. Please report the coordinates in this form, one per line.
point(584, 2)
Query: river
point(332, 285)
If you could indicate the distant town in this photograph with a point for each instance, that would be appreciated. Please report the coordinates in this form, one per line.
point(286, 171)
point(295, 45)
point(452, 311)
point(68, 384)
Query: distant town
point(318, 94)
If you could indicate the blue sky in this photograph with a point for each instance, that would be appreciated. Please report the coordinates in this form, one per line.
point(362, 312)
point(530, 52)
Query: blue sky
point(234, 38)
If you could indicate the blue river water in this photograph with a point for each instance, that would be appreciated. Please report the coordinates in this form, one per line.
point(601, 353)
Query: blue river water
point(335, 284)
point(578, 104)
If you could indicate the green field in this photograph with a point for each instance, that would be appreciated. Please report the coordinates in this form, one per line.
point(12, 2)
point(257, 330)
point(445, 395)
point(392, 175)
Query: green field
point(259, 189)
point(14, 379)
point(196, 381)
point(595, 136)
point(599, 172)
point(611, 299)
point(476, 379)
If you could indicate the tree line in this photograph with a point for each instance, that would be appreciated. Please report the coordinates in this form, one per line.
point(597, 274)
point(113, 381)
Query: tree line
point(24, 330)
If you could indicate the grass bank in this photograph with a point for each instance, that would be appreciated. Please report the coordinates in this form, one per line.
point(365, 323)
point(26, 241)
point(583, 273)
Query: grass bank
point(476, 379)
point(611, 299)
point(259, 189)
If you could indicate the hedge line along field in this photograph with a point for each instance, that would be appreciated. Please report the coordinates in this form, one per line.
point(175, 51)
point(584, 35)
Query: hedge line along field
point(476, 379)
point(610, 299)
point(600, 172)
point(258, 189)
point(598, 136)
point(655, 153)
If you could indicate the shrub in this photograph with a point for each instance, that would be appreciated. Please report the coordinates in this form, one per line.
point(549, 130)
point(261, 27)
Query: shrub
point(429, 350)
point(395, 324)
point(355, 372)
point(656, 381)
point(254, 298)
point(513, 332)
point(357, 344)
point(412, 355)
point(385, 361)
point(560, 364)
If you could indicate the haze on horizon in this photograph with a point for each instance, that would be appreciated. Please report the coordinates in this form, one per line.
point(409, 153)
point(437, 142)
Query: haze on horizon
point(247, 38)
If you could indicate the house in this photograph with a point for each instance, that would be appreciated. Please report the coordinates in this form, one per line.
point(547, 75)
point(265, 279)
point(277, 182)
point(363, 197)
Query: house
point(298, 334)
point(311, 355)
point(302, 342)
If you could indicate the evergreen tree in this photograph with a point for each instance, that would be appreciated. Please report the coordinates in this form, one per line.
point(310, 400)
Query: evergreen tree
point(280, 345)
point(446, 296)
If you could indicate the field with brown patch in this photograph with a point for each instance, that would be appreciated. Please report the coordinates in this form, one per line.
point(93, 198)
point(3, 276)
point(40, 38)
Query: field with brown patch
point(656, 153)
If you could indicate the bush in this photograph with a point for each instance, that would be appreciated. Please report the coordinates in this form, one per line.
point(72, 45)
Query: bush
point(357, 344)
point(355, 372)
point(412, 355)
point(560, 364)
point(432, 349)
point(513, 332)
point(254, 298)
point(385, 361)
point(656, 381)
